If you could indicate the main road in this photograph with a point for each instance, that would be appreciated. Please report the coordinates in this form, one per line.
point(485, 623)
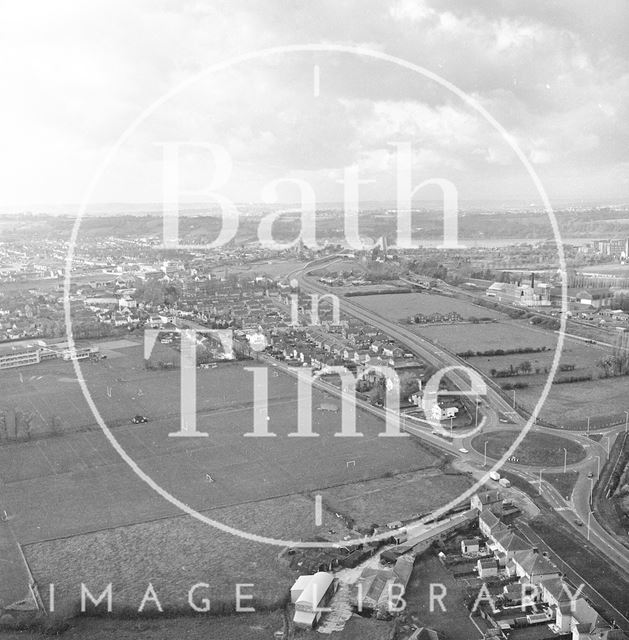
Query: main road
point(575, 510)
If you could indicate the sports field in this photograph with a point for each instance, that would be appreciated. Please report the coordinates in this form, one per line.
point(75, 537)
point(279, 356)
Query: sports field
point(70, 496)
point(84, 468)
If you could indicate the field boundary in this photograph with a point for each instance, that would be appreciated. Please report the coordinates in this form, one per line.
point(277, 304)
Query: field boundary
point(32, 583)
point(231, 505)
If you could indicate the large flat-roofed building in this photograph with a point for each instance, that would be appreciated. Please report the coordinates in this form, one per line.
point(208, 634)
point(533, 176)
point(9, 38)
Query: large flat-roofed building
point(19, 358)
point(11, 356)
point(521, 295)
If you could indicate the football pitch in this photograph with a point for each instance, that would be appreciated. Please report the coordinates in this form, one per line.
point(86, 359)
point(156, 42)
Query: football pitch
point(75, 482)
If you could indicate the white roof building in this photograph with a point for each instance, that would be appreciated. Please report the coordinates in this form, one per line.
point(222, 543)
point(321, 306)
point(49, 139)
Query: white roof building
point(309, 604)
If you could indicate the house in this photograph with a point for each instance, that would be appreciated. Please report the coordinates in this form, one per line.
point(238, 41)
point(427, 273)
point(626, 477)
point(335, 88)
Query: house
point(489, 524)
point(532, 566)
point(470, 546)
point(507, 542)
point(442, 412)
point(485, 500)
point(583, 621)
point(487, 567)
point(574, 616)
point(423, 633)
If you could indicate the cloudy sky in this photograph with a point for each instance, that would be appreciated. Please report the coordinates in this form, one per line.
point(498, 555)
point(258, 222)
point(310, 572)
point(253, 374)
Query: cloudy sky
point(76, 74)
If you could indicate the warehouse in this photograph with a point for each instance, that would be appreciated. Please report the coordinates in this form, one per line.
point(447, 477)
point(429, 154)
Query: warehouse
point(316, 594)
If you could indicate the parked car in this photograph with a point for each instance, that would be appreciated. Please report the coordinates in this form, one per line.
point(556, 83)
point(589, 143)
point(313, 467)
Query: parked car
point(139, 419)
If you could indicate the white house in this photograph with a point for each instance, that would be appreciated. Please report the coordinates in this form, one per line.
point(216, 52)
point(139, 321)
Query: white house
point(443, 413)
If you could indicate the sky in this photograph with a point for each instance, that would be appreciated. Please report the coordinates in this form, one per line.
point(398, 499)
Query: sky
point(75, 75)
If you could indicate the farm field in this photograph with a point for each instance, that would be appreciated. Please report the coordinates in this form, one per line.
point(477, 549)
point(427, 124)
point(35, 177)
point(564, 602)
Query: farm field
point(583, 356)
point(506, 334)
point(537, 449)
point(176, 553)
point(253, 626)
point(399, 497)
point(399, 306)
point(613, 268)
point(569, 405)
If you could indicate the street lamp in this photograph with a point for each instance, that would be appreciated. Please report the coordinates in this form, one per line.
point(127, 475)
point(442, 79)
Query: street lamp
point(476, 418)
point(451, 419)
point(485, 462)
point(591, 491)
point(565, 459)
point(589, 516)
point(598, 467)
point(588, 429)
point(626, 420)
point(514, 398)
point(540, 482)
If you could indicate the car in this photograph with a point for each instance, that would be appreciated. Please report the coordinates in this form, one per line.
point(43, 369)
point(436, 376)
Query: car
point(578, 523)
point(139, 419)
point(590, 474)
point(463, 450)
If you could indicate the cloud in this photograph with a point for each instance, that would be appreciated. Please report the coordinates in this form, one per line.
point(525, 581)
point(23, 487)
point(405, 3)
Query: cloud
point(76, 74)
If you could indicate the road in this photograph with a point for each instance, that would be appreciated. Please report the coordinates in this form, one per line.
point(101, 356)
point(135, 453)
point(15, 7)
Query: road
point(575, 510)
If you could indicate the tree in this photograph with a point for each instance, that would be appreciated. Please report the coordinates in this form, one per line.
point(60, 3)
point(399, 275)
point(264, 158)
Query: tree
point(526, 367)
point(409, 385)
point(608, 366)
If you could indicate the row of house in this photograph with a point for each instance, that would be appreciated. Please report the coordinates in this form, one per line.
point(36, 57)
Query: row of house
point(565, 609)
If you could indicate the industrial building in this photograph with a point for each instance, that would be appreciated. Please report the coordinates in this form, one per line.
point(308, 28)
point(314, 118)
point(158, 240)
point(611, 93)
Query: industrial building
point(311, 594)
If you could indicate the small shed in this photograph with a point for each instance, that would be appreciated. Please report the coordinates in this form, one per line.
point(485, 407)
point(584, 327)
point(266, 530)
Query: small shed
point(470, 545)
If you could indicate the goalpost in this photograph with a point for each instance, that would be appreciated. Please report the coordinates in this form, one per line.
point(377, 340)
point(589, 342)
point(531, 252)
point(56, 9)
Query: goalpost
point(350, 464)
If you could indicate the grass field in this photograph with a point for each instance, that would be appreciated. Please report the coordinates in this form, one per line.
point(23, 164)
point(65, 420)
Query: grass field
point(537, 449)
point(401, 305)
point(253, 626)
point(270, 268)
point(175, 553)
point(400, 497)
point(563, 482)
point(82, 514)
point(506, 334)
point(569, 405)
